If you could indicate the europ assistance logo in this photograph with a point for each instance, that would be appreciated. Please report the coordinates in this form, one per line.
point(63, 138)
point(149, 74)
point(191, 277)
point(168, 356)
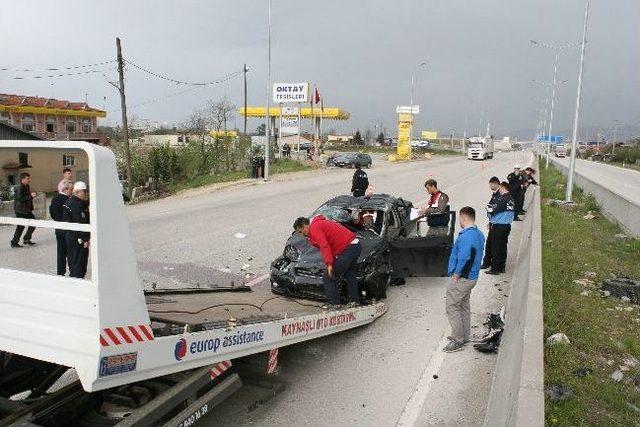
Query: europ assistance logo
point(181, 349)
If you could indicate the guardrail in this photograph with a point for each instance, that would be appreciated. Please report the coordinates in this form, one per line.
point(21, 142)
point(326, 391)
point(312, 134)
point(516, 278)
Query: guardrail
point(517, 389)
point(615, 206)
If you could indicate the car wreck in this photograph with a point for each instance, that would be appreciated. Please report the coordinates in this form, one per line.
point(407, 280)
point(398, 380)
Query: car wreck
point(394, 247)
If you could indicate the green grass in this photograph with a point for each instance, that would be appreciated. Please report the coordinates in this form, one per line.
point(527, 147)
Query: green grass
point(571, 246)
point(278, 167)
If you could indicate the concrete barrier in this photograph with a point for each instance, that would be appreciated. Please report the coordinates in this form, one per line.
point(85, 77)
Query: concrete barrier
point(615, 206)
point(517, 388)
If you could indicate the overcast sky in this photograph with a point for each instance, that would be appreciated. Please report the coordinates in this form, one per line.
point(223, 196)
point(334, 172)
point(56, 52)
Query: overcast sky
point(361, 54)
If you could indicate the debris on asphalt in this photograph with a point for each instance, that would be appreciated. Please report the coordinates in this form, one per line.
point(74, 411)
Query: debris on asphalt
point(239, 235)
point(557, 339)
point(617, 376)
point(245, 267)
point(558, 392)
point(589, 216)
point(583, 372)
point(435, 377)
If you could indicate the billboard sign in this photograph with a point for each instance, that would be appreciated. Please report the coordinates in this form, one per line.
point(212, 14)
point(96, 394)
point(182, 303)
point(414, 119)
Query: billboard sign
point(289, 125)
point(290, 92)
point(408, 109)
point(290, 111)
point(554, 138)
point(405, 120)
point(429, 134)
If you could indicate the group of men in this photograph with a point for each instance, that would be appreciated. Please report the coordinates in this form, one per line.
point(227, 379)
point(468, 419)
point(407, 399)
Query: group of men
point(340, 247)
point(70, 204)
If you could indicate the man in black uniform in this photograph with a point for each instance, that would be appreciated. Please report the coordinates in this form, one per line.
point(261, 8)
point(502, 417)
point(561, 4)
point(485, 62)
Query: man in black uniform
point(494, 185)
point(516, 183)
point(501, 214)
point(56, 210)
point(528, 180)
point(360, 182)
point(23, 208)
point(76, 210)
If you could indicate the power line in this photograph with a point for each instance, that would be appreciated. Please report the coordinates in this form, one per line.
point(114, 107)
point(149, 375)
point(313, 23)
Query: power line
point(74, 67)
point(181, 82)
point(56, 75)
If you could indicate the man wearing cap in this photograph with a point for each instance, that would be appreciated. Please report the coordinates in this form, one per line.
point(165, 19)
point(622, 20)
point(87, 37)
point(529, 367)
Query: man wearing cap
point(76, 210)
point(56, 209)
point(516, 184)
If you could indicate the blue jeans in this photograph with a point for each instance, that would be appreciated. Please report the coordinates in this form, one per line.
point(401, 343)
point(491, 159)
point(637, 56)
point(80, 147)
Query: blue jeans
point(345, 267)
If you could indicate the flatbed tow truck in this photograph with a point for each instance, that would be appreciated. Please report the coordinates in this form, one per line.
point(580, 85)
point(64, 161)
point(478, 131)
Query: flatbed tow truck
point(141, 358)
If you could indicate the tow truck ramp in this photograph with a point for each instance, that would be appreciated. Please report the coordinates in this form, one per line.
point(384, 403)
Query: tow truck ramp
point(112, 336)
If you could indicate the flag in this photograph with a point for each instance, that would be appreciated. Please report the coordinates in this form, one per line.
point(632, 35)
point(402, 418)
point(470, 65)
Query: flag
point(316, 95)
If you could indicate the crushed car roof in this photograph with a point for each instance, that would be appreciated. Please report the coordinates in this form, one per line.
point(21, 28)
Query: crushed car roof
point(377, 201)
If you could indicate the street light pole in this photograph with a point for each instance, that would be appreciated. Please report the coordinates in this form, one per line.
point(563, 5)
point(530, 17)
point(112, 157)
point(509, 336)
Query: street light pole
point(574, 142)
point(615, 137)
point(268, 127)
point(553, 100)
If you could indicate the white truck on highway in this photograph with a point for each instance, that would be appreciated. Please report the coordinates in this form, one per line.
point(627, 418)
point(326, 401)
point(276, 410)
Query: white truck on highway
point(141, 357)
point(480, 148)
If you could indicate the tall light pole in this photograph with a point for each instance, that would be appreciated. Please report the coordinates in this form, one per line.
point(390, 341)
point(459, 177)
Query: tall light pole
point(553, 96)
point(413, 78)
point(615, 136)
point(268, 116)
point(574, 137)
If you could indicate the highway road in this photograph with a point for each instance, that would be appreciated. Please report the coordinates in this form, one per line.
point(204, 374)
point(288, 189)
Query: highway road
point(381, 374)
point(625, 182)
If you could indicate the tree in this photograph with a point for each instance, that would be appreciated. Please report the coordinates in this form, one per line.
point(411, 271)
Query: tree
point(357, 138)
point(198, 125)
point(221, 113)
point(380, 138)
point(368, 136)
point(261, 129)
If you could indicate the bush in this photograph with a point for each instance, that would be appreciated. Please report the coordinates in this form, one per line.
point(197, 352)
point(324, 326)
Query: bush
point(5, 192)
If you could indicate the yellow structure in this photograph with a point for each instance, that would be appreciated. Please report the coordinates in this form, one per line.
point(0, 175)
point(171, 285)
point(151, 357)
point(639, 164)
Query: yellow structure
point(405, 123)
point(223, 134)
point(305, 112)
point(429, 134)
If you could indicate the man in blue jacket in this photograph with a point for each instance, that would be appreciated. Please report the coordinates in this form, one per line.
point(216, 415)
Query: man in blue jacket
point(464, 268)
point(501, 214)
point(494, 185)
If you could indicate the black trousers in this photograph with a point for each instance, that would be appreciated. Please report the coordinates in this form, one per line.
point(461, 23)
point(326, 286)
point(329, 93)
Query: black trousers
point(488, 256)
point(499, 241)
point(61, 251)
point(78, 256)
point(20, 229)
point(519, 200)
point(344, 267)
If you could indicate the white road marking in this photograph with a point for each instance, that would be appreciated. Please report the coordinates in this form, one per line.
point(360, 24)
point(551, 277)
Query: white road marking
point(413, 408)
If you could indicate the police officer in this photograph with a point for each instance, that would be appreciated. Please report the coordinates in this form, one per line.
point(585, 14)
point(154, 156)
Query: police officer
point(360, 182)
point(516, 184)
point(494, 185)
point(76, 210)
point(501, 214)
point(56, 209)
point(528, 180)
point(437, 208)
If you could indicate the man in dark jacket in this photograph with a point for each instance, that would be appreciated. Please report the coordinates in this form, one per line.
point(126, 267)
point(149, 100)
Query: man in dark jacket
point(340, 249)
point(494, 185)
point(55, 211)
point(76, 210)
point(501, 213)
point(516, 185)
point(360, 182)
point(23, 208)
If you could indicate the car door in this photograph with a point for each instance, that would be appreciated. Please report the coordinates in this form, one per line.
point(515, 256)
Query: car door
point(421, 251)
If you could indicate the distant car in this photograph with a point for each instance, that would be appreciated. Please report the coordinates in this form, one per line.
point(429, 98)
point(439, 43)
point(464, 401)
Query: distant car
point(350, 160)
point(393, 247)
point(420, 144)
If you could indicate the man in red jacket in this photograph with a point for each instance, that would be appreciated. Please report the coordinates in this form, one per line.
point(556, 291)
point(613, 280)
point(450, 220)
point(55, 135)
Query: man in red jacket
point(340, 250)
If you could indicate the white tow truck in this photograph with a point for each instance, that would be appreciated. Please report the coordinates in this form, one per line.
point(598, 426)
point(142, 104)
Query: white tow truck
point(141, 358)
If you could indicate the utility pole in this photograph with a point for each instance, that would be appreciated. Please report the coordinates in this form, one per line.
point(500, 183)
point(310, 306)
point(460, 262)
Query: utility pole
point(244, 70)
point(615, 137)
point(125, 125)
point(268, 127)
point(576, 119)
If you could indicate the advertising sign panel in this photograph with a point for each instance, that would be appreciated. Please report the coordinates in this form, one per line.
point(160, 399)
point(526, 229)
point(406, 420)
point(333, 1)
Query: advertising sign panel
point(408, 109)
point(404, 136)
point(290, 111)
point(290, 92)
point(289, 125)
point(429, 134)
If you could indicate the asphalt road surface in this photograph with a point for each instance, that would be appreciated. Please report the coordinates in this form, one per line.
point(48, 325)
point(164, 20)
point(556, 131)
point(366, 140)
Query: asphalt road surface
point(374, 375)
point(625, 182)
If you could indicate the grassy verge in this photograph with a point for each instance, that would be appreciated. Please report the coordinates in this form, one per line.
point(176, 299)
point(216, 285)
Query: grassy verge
point(280, 166)
point(603, 331)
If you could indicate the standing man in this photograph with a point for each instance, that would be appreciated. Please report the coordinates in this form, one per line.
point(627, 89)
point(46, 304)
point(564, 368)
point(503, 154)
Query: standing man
point(501, 213)
point(516, 182)
point(360, 182)
point(464, 268)
point(494, 185)
point(23, 208)
point(528, 180)
point(437, 208)
point(340, 250)
point(56, 211)
point(66, 179)
point(76, 210)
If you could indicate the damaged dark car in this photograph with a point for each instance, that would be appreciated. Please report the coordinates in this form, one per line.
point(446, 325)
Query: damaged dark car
point(393, 248)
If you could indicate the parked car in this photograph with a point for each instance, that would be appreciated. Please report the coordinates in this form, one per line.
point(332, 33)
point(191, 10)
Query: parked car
point(350, 160)
point(393, 248)
point(419, 143)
